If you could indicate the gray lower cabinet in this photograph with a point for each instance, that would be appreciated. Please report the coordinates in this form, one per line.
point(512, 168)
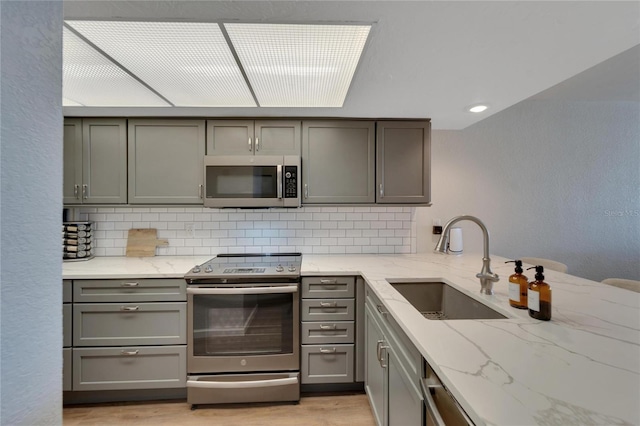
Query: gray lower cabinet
point(132, 367)
point(95, 161)
point(328, 330)
point(403, 162)
point(128, 334)
point(338, 162)
point(393, 369)
point(249, 137)
point(166, 161)
point(67, 336)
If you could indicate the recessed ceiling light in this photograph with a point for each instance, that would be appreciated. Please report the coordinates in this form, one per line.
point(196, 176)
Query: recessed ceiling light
point(478, 108)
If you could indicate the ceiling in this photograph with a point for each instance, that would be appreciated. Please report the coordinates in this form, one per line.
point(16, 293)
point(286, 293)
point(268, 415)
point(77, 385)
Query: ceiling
point(429, 59)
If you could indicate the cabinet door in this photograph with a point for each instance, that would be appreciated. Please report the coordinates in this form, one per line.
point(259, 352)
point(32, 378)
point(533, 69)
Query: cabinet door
point(104, 160)
point(277, 137)
point(374, 371)
point(405, 401)
point(403, 162)
point(165, 161)
point(230, 137)
point(338, 161)
point(72, 166)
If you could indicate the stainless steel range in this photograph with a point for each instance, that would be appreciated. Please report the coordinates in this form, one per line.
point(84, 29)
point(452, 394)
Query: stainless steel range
point(243, 323)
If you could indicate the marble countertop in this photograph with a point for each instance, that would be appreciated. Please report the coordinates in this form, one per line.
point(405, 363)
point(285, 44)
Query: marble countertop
point(582, 367)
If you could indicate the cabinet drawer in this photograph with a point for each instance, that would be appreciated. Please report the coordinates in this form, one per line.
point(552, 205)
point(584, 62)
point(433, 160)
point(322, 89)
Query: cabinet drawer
point(67, 314)
point(133, 367)
point(133, 290)
point(66, 291)
point(110, 324)
point(328, 310)
point(334, 287)
point(66, 369)
point(327, 332)
point(327, 364)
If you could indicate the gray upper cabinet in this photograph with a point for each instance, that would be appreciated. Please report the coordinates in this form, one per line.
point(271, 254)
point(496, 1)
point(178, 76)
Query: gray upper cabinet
point(249, 137)
point(338, 162)
point(165, 161)
point(95, 161)
point(403, 162)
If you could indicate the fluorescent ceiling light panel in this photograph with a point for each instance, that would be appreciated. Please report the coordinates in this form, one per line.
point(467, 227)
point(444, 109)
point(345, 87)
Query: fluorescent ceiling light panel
point(90, 79)
point(188, 63)
point(291, 65)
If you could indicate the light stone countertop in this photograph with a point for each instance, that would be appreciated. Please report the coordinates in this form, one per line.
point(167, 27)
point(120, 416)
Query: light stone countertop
point(582, 367)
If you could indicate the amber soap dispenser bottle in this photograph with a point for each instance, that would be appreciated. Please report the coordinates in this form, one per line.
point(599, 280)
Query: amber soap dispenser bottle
point(518, 287)
point(539, 296)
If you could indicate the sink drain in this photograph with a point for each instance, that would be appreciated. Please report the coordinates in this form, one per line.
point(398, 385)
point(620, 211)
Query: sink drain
point(434, 315)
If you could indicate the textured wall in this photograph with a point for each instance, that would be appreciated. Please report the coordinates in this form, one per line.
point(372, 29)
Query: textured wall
point(30, 212)
point(332, 230)
point(550, 179)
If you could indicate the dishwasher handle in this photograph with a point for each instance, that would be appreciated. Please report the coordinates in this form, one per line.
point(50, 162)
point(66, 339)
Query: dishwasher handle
point(455, 414)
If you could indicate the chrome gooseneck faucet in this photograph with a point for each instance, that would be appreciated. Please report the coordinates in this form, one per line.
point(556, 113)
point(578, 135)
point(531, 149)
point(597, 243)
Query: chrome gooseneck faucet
point(487, 278)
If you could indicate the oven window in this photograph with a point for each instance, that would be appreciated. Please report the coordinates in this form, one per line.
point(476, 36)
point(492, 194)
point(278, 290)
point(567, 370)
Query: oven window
point(242, 182)
point(249, 324)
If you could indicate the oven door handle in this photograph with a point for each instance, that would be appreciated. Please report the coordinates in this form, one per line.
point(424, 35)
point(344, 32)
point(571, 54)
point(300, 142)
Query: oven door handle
point(242, 384)
point(243, 290)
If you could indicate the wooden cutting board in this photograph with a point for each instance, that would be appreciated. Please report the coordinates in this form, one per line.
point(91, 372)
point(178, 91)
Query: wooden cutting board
point(142, 242)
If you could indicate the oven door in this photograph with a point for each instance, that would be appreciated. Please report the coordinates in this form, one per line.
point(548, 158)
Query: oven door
point(243, 329)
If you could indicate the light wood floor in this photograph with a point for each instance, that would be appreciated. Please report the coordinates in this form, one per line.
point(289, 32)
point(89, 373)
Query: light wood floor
point(316, 409)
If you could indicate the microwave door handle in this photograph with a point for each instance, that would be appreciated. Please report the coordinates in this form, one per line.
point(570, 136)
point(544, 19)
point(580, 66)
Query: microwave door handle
point(279, 179)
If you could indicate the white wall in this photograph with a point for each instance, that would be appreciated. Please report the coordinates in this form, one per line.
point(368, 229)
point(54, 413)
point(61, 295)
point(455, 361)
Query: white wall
point(30, 213)
point(550, 179)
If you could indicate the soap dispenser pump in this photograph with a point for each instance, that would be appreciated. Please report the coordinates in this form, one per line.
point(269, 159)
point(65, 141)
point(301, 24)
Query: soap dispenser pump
point(518, 286)
point(539, 296)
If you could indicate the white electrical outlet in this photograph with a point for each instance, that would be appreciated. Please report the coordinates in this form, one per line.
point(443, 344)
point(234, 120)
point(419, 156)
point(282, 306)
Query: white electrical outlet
point(190, 228)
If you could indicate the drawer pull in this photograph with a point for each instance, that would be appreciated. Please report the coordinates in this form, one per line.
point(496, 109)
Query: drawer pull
point(327, 351)
point(129, 353)
point(328, 327)
point(130, 284)
point(129, 308)
point(328, 304)
point(380, 310)
point(328, 281)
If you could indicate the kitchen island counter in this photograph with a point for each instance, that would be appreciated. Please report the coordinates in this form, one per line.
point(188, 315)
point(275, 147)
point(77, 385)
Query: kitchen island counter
point(582, 367)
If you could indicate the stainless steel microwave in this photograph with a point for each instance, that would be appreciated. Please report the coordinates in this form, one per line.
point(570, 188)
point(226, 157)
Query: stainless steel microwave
point(251, 181)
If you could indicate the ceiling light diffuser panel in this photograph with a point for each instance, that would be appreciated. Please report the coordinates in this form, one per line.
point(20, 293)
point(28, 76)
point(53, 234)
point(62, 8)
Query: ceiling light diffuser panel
point(290, 65)
point(90, 79)
point(188, 63)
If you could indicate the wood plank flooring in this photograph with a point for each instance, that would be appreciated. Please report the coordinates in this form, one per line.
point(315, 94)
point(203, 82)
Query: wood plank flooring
point(313, 409)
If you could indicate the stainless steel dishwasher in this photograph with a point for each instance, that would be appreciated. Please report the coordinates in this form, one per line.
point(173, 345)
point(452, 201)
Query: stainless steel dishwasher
point(441, 408)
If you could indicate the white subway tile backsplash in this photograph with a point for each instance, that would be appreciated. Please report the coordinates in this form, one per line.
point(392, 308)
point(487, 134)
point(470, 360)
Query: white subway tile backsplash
point(320, 230)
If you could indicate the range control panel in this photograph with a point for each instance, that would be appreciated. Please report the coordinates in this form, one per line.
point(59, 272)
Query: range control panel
point(290, 181)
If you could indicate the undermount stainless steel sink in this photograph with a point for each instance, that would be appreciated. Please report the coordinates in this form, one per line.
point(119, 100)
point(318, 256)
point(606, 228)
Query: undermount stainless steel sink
point(440, 301)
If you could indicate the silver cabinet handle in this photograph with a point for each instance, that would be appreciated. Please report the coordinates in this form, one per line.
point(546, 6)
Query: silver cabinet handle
point(249, 144)
point(381, 190)
point(306, 191)
point(85, 190)
point(129, 353)
point(380, 310)
point(379, 348)
point(328, 304)
point(129, 308)
point(327, 281)
point(129, 284)
point(76, 191)
point(257, 144)
point(201, 191)
point(327, 351)
point(328, 327)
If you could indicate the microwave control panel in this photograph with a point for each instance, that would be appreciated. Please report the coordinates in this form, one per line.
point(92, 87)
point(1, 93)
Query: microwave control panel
point(290, 181)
